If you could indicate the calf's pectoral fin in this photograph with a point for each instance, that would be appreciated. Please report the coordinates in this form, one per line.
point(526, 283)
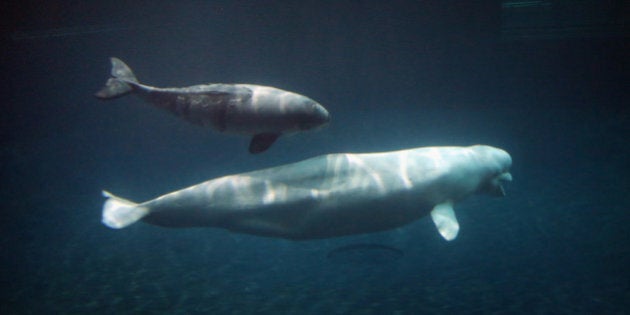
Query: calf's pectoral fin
point(262, 141)
point(445, 221)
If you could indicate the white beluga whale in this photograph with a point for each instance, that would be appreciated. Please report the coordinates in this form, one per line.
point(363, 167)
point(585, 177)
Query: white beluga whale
point(263, 112)
point(330, 195)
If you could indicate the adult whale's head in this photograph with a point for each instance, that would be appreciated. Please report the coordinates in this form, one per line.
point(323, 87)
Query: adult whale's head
point(497, 163)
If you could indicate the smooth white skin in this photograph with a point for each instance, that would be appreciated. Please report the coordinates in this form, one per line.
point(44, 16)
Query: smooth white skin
point(335, 194)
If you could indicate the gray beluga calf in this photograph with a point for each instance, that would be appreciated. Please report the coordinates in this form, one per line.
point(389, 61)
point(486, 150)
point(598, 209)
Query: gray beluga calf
point(330, 195)
point(262, 112)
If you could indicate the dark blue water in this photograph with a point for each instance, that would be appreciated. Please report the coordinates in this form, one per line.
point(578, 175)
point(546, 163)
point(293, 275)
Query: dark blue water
point(393, 75)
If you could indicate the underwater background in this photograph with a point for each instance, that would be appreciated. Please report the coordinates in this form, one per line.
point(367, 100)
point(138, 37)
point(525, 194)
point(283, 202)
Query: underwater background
point(547, 81)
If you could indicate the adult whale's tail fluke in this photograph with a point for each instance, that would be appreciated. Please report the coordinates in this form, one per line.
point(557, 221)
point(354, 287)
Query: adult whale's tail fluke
point(119, 213)
point(121, 83)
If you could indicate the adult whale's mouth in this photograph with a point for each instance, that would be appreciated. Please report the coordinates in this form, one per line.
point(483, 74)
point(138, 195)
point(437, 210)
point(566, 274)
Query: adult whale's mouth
point(503, 177)
point(494, 186)
point(506, 177)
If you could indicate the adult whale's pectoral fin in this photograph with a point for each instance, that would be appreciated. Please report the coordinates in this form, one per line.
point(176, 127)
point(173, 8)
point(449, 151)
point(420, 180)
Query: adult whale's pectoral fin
point(445, 221)
point(262, 141)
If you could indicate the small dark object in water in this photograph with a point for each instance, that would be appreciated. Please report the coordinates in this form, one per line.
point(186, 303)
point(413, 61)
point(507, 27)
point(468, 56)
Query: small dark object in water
point(365, 253)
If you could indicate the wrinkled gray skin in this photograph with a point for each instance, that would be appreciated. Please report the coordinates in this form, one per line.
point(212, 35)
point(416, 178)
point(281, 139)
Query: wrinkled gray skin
point(262, 112)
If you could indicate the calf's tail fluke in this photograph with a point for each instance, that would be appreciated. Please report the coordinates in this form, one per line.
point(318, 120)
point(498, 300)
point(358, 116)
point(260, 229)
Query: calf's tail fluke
point(121, 82)
point(119, 213)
